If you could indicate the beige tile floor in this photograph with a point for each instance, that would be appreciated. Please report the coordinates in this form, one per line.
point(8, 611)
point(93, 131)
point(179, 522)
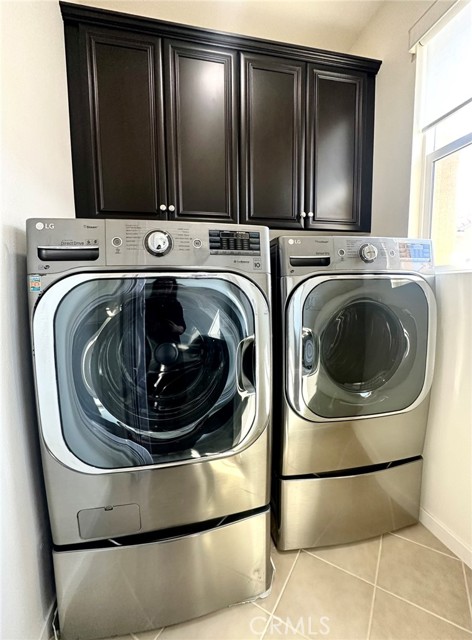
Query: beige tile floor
point(401, 586)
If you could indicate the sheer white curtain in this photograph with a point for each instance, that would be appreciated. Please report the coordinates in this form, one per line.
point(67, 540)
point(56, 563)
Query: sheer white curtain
point(442, 168)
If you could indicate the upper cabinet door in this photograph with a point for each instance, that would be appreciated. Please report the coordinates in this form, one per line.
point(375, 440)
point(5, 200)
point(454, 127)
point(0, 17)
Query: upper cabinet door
point(116, 123)
point(339, 151)
point(201, 128)
point(272, 141)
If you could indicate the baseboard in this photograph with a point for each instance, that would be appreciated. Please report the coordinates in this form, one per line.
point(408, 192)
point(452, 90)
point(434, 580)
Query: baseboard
point(447, 537)
point(47, 631)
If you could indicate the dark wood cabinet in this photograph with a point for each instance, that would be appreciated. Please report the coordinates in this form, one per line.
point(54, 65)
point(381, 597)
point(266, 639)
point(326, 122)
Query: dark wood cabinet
point(201, 127)
point(272, 140)
point(129, 160)
point(117, 121)
point(339, 150)
point(304, 156)
point(176, 122)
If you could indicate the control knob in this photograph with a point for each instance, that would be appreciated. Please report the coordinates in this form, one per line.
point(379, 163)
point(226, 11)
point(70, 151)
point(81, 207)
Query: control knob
point(368, 252)
point(158, 243)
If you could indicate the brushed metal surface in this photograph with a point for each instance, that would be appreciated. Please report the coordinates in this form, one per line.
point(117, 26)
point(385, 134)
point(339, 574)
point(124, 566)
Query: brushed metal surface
point(124, 589)
point(317, 447)
point(167, 497)
point(317, 512)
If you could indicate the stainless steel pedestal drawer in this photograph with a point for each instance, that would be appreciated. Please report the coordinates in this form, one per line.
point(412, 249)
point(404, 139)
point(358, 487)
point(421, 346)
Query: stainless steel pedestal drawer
point(348, 507)
point(132, 588)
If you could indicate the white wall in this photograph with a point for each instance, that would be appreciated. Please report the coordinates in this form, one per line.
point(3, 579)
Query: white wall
point(310, 22)
point(386, 38)
point(447, 478)
point(36, 181)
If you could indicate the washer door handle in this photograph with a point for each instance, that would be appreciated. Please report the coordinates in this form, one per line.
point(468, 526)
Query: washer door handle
point(309, 351)
point(245, 366)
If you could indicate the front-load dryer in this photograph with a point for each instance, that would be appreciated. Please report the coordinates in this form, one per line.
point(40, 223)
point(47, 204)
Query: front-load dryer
point(151, 349)
point(355, 323)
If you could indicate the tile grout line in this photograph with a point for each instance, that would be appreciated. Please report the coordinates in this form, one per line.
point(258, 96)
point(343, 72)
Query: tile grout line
point(469, 595)
point(271, 613)
point(432, 613)
point(425, 546)
point(371, 616)
point(331, 564)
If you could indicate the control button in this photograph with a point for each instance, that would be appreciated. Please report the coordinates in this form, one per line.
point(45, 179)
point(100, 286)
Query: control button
point(392, 253)
point(341, 253)
point(158, 243)
point(197, 243)
point(116, 241)
point(368, 252)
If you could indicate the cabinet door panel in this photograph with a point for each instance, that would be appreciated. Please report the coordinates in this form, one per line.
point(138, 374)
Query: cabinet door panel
point(335, 153)
point(125, 146)
point(272, 135)
point(335, 150)
point(201, 132)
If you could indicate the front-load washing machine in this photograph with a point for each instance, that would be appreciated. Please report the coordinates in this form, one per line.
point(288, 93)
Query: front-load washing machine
point(355, 323)
point(151, 350)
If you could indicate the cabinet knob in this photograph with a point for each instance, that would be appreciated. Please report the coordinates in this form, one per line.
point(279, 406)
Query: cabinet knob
point(310, 214)
point(303, 215)
point(163, 207)
point(171, 207)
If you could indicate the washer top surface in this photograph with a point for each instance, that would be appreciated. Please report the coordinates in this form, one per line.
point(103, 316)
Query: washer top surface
point(302, 255)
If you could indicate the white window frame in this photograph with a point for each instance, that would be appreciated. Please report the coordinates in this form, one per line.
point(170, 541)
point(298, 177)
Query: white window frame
point(430, 160)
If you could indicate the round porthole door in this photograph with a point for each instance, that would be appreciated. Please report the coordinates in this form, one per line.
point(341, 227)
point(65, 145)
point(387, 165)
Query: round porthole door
point(151, 369)
point(358, 345)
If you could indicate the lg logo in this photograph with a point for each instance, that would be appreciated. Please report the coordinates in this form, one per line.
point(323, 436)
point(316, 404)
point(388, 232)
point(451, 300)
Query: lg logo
point(40, 225)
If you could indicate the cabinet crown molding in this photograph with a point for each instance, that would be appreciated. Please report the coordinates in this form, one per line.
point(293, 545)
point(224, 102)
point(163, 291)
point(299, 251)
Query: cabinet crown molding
point(74, 13)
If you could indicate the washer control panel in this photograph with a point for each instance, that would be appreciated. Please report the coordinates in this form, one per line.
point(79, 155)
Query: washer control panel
point(57, 245)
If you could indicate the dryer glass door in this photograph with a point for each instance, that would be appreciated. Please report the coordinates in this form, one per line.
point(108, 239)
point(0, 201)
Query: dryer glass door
point(156, 369)
point(360, 346)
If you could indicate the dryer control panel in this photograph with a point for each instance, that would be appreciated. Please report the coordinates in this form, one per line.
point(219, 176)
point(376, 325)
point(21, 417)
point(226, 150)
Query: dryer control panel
point(305, 254)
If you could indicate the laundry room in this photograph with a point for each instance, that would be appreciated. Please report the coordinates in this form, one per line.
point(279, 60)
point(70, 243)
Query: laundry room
point(291, 456)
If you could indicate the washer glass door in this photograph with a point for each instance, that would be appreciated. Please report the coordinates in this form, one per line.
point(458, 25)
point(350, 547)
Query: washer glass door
point(153, 370)
point(358, 345)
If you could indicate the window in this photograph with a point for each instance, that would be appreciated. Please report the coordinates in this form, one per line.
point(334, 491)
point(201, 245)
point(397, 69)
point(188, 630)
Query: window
point(442, 202)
